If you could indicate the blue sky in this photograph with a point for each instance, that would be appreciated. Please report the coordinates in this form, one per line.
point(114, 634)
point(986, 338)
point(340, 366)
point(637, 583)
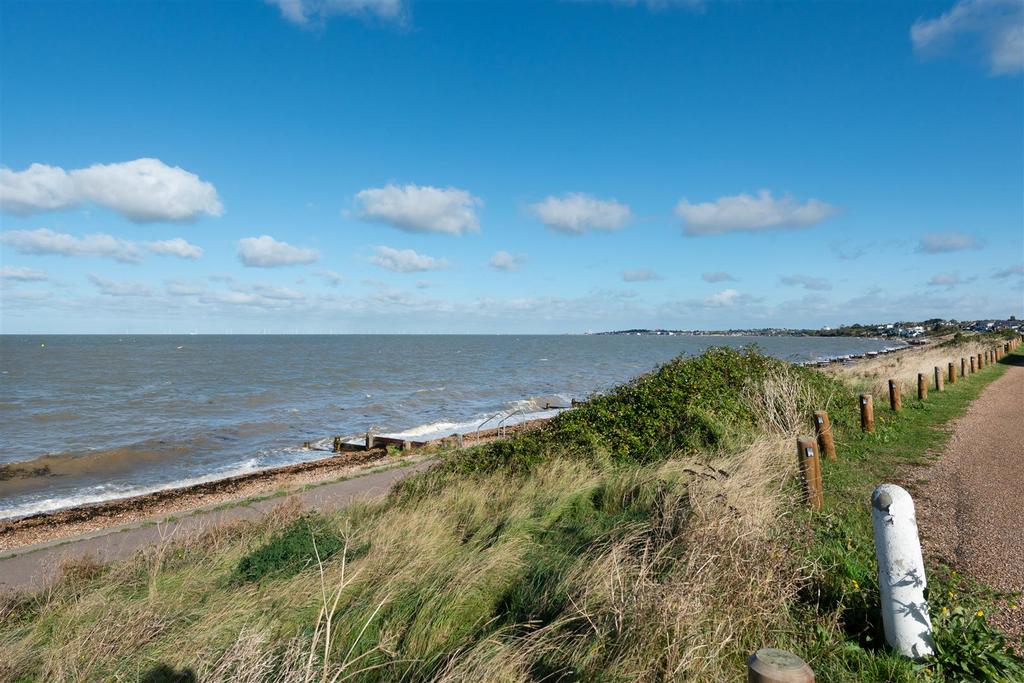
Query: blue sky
point(414, 166)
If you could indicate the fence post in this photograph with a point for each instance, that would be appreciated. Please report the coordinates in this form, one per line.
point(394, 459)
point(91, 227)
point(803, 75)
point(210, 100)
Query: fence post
point(980, 363)
point(901, 579)
point(769, 665)
point(972, 365)
point(922, 387)
point(810, 466)
point(963, 367)
point(867, 413)
point(823, 430)
point(938, 378)
point(895, 402)
point(952, 374)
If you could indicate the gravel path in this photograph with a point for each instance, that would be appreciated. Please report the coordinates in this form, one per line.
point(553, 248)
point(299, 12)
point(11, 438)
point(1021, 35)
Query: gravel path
point(971, 504)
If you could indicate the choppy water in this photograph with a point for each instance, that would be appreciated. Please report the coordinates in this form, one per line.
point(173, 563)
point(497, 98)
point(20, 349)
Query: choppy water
point(102, 417)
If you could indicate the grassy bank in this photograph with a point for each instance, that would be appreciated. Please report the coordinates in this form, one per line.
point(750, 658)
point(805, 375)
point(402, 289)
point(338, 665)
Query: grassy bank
point(654, 533)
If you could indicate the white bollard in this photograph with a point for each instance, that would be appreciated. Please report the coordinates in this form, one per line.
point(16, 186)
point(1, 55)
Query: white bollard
point(901, 580)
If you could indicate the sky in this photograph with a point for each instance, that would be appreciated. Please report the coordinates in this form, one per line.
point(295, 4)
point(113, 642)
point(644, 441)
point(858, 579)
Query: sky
point(415, 166)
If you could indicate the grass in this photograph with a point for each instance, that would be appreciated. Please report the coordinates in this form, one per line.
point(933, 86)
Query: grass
point(653, 534)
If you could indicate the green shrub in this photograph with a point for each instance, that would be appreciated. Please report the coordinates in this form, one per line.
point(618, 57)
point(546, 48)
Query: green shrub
point(291, 550)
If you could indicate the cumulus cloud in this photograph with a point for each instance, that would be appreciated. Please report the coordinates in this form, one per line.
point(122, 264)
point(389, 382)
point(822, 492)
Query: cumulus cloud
point(115, 288)
point(416, 208)
point(943, 242)
point(818, 284)
point(406, 260)
point(23, 274)
point(576, 213)
point(744, 212)
point(315, 12)
point(948, 280)
point(266, 252)
point(143, 190)
point(992, 28)
point(507, 262)
point(1004, 273)
point(175, 247)
point(46, 241)
point(718, 276)
point(728, 298)
point(639, 275)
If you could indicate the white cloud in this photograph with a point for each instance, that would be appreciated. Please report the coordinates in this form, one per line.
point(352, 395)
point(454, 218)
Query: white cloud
point(143, 190)
point(23, 274)
point(1007, 272)
point(639, 275)
point(46, 241)
point(115, 288)
point(307, 12)
point(948, 280)
point(718, 276)
point(943, 242)
point(416, 208)
point(332, 277)
point(179, 288)
point(994, 28)
point(727, 297)
point(576, 213)
point(266, 252)
point(744, 212)
point(406, 260)
point(507, 262)
point(175, 247)
point(818, 284)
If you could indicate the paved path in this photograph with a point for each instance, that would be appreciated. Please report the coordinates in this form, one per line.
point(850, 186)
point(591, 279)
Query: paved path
point(34, 567)
point(971, 506)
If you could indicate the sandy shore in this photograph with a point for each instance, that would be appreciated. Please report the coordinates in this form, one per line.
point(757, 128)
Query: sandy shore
point(70, 522)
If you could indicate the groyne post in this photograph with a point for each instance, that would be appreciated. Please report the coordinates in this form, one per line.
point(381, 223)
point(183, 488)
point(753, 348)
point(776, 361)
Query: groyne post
point(823, 430)
point(769, 665)
point(938, 379)
point(901, 578)
point(952, 374)
point(867, 413)
point(336, 446)
point(369, 441)
point(895, 402)
point(810, 466)
point(922, 387)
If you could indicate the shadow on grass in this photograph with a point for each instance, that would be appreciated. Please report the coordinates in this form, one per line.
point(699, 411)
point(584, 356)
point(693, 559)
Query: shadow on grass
point(162, 673)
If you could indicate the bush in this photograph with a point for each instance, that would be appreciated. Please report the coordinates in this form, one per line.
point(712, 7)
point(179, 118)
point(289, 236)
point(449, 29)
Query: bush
point(291, 550)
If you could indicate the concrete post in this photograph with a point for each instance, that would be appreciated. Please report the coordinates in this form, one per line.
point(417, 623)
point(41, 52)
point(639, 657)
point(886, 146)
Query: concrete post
point(823, 430)
point(938, 378)
point(769, 665)
point(810, 466)
point(867, 413)
point(895, 402)
point(901, 579)
point(922, 387)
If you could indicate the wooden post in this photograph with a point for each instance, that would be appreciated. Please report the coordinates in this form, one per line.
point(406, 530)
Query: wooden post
point(823, 430)
point(458, 440)
point(938, 379)
point(867, 413)
point(810, 466)
point(894, 396)
point(369, 441)
point(407, 445)
point(769, 665)
point(980, 364)
point(922, 387)
point(336, 447)
point(952, 374)
point(963, 367)
point(973, 370)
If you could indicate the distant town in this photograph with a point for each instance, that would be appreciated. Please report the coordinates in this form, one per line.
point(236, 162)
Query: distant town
point(909, 330)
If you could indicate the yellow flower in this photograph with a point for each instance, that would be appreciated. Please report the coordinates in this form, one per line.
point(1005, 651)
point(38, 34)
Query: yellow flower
point(945, 611)
point(1013, 605)
point(856, 586)
point(981, 613)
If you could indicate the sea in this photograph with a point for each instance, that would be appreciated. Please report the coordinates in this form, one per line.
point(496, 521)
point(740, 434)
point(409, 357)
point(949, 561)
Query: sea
point(85, 419)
